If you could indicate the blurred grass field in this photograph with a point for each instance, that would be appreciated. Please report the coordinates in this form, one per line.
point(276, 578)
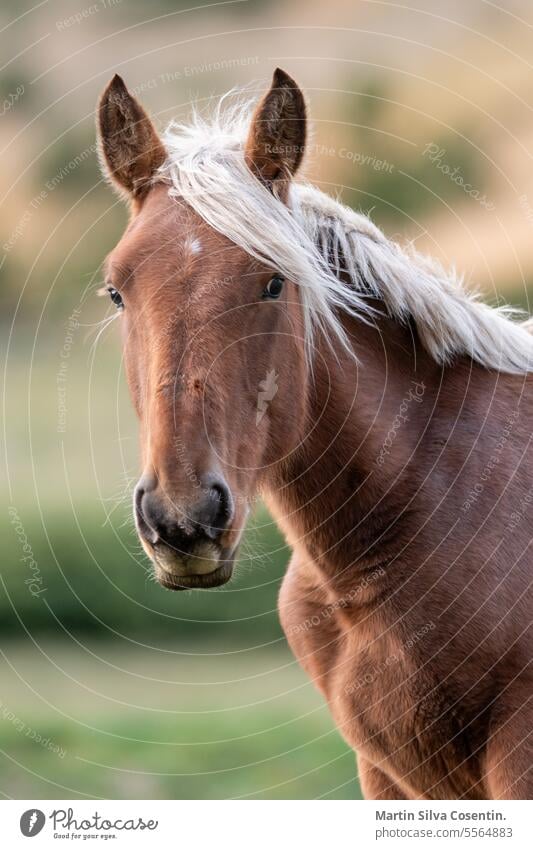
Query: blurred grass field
point(130, 723)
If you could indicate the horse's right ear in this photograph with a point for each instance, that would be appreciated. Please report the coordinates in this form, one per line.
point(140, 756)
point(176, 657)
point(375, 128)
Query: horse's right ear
point(131, 149)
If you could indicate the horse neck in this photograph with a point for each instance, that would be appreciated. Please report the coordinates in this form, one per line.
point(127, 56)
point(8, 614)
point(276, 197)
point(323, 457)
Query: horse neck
point(364, 419)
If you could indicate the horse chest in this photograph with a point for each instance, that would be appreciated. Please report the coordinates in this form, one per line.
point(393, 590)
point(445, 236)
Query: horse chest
point(341, 655)
point(396, 716)
point(385, 705)
point(372, 696)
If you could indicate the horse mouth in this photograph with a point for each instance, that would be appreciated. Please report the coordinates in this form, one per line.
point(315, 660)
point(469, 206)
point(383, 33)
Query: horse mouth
point(219, 576)
point(209, 567)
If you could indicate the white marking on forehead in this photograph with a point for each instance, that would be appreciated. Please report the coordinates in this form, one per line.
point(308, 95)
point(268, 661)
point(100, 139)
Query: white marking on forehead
point(195, 246)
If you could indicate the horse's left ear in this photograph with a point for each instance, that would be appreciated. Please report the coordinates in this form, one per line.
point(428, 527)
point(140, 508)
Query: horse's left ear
point(131, 149)
point(276, 141)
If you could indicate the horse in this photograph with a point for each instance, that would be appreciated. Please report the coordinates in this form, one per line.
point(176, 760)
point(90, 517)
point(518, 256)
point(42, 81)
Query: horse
point(278, 345)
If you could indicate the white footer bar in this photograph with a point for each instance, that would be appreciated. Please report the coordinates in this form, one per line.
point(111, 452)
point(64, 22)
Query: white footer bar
point(266, 824)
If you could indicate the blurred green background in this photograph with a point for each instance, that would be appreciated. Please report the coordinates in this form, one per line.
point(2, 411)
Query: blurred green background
point(110, 686)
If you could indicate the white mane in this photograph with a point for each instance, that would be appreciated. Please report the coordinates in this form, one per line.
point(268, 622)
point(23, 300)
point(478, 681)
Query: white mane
point(315, 237)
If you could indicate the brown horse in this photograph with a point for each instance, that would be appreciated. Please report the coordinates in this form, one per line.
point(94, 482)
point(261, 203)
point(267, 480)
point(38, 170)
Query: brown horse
point(278, 343)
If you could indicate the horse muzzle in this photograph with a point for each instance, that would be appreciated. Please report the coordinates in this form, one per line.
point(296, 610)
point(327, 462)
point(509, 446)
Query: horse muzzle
point(189, 547)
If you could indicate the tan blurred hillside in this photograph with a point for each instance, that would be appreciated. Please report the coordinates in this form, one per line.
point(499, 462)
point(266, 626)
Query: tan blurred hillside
point(407, 103)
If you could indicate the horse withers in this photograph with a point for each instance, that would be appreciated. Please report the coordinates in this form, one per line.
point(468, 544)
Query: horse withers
point(277, 343)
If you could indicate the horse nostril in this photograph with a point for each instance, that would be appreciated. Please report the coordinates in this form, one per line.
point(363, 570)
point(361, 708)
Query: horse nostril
point(216, 512)
point(225, 506)
point(145, 526)
point(137, 499)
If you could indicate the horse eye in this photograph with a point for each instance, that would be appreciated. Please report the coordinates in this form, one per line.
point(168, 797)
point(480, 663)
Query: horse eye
point(274, 287)
point(116, 297)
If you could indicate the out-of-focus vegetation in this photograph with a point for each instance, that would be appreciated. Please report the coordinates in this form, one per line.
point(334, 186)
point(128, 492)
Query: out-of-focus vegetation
point(221, 721)
point(417, 119)
point(94, 579)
